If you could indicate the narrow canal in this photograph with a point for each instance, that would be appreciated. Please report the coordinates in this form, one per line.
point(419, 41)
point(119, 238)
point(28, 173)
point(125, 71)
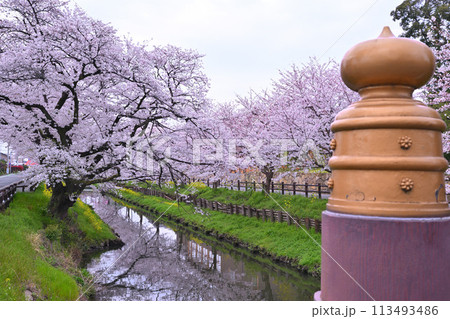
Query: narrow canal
point(165, 262)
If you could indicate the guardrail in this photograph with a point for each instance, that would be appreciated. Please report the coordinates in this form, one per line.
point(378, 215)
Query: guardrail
point(6, 195)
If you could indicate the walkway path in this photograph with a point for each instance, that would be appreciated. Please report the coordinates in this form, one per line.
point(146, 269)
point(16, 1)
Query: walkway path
point(7, 180)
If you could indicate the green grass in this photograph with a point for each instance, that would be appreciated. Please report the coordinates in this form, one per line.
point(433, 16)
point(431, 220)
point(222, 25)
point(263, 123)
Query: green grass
point(94, 229)
point(36, 250)
point(278, 239)
point(55, 283)
point(296, 205)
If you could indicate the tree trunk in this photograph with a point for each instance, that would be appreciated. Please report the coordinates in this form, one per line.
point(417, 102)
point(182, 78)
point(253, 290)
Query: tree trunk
point(63, 197)
point(268, 173)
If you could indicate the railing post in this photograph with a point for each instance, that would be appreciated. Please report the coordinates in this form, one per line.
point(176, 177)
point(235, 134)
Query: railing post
point(282, 188)
point(239, 185)
point(254, 186)
point(293, 188)
point(387, 220)
point(306, 189)
point(319, 190)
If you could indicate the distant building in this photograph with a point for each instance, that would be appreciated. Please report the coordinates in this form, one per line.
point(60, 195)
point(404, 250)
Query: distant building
point(3, 157)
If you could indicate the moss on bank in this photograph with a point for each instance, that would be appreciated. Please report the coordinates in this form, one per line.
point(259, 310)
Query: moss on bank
point(39, 255)
point(280, 241)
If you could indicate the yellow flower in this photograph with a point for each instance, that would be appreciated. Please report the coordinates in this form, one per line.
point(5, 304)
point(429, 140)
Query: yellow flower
point(129, 191)
point(47, 192)
point(172, 203)
point(198, 185)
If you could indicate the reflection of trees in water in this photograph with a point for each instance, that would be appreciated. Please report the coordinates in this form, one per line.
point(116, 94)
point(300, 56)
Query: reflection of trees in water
point(155, 268)
point(267, 291)
point(167, 265)
point(202, 254)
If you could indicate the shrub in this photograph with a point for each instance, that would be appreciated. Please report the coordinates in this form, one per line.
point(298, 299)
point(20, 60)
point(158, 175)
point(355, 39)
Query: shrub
point(53, 232)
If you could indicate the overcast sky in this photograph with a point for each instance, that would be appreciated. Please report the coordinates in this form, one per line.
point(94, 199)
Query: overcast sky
point(246, 42)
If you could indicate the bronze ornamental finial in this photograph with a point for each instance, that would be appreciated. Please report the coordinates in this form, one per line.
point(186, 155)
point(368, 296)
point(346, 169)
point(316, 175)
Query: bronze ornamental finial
point(387, 60)
point(387, 220)
point(385, 71)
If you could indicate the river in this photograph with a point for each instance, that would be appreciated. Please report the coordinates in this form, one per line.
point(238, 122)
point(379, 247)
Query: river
point(166, 262)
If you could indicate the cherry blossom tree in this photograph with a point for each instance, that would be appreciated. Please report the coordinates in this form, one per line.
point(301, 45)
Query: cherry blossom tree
point(307, 99)
point(437, 91)
point(286, 127)
point(289, 125)
point(76, 97)
point(257, 137)
point(180, 150)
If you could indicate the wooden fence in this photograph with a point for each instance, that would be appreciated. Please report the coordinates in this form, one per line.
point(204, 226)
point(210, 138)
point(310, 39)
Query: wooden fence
point(232, 209)
point(6, 196)
point(283, 188)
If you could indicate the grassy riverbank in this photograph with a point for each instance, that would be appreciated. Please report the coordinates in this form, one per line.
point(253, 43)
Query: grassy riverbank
point(39, 255)
point(280, 241)
point(296, 205)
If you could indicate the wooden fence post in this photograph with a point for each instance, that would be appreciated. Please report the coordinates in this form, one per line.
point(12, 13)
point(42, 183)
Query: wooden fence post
point(273, 187)
point(282, 188)
point(239, 185)
point(319, 188)
point(306, 189)
point(293, 188)
point(254, 186)
point(318, 224)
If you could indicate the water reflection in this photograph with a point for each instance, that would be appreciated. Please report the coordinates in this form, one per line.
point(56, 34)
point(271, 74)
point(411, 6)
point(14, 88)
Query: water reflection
point(161, 263)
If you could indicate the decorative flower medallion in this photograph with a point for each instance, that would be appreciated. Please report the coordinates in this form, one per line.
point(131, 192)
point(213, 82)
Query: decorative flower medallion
point(330, 183)
point(405, 142)
point(333, 144)
point(407, 184)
